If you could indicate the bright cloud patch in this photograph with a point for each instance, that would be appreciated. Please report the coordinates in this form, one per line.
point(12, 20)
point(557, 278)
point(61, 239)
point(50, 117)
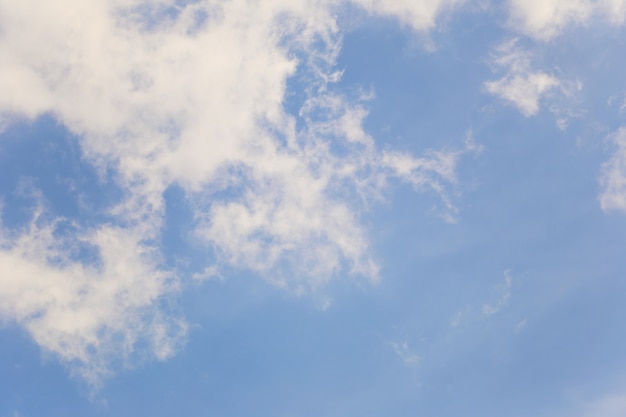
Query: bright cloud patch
point(419, 15)
point(545, 19)
point(88, 315)
point(521, 86)
point(192, 94)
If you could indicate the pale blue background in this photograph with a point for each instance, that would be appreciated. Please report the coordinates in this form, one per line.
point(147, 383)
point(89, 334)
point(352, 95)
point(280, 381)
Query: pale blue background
point(528, 204)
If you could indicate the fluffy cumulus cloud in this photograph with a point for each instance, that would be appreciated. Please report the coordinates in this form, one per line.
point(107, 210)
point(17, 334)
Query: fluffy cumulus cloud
point(521, 86)
point(192, 93)
point(613, 178)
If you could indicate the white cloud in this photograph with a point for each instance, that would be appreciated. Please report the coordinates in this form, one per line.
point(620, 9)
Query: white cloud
point(613, 177)
point(88, 315)
point(615, 9)
point(476, 313)
point(418, 14)
point(545, 19)
point(192, 94)
point(209, 273)
point(521, 86)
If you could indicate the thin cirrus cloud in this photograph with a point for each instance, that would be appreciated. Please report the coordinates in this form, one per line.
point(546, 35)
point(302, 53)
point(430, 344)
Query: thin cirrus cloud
point(192, 94)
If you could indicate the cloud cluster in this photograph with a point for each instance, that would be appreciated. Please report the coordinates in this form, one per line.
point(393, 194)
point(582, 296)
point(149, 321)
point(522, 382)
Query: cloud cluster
point(192, 93)
point(87, 314)
point(521, 85)
point(406, 355)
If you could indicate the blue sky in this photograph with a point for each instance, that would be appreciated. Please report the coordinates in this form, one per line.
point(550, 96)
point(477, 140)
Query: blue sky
point(297, 208)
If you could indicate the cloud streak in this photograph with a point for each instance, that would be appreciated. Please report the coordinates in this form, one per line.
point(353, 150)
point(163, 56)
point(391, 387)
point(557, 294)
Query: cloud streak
point(503, 300)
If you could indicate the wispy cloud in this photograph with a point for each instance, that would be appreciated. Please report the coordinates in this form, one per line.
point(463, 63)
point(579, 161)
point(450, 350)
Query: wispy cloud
point(521, 325)
point(521, 85)
point(405, 353)
point(613, 177)
point(475, 312)
point(503, 297)
point(193, 94)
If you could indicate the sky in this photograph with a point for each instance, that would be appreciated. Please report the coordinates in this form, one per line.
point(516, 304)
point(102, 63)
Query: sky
point(313, 208)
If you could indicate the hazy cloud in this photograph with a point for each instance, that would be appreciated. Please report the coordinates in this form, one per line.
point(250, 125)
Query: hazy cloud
point(521, 85)
point(613, 177)
point(404, 352)
point(608, 406)
point(503, 297)
point(87, 314)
